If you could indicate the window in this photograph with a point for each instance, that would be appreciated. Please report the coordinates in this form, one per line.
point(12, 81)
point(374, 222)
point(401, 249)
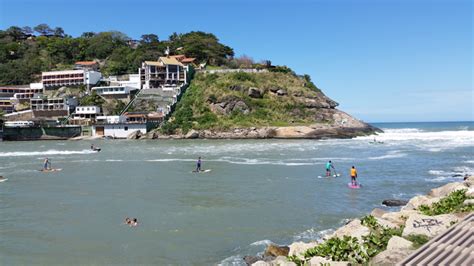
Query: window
point(126, 128)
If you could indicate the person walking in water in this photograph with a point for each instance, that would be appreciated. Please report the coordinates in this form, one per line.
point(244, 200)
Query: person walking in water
point(328, 168)
point(353, 176)
point(46, 164)
point(198, 165)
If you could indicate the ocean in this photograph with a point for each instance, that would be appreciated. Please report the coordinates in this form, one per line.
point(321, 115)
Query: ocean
point(258, 192)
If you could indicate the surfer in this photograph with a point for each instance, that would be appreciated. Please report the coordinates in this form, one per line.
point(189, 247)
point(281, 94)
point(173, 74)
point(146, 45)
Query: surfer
point(47, 164)
point(198, 165)
point(328, 168)
point(353, 176)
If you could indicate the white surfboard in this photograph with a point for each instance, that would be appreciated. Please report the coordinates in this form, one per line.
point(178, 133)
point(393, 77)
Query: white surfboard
point(202, 171)
point(50, 170)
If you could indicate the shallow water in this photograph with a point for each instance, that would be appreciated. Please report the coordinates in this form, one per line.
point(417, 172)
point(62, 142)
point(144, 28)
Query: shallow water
point(258, 191)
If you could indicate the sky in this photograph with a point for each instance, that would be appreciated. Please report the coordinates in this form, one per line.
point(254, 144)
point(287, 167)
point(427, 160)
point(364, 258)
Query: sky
point(382, 60)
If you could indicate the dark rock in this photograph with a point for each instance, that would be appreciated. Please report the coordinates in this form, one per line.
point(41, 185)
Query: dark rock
point(135, 135)
point(255, 93)
point(236, 88)
point(282, 92)
point(275, 251)
point(240, 106)
point(249, 260)
point(274, 89)
point(394, 202)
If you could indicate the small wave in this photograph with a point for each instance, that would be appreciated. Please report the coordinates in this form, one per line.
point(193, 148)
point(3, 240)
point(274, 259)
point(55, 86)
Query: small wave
point(469, 161)
point(389, 155)
point(265, 242)
point(38, 153)
point(114, 160)
point(313, 235)
point(172, 160)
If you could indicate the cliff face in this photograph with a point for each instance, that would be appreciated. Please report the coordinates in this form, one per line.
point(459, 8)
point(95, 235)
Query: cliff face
point(259, 105)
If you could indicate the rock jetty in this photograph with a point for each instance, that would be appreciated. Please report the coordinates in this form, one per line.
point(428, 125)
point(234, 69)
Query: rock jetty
point(381, 238)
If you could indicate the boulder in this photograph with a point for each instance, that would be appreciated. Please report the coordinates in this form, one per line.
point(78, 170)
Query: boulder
point(398, 218)
point(318, 261)
point(282, 261)
point(299, 248)
point(249, 260)
point(394, 202)
point(275, 251)
point(377, 213)
point(192, 134)
point(242, 107)
point(281, 92)
point(254, 93)
point(274, 89)
point(135, 135)
point(469, 181)
point(431, 226)
point(447, 189)
point(236, 88)
point(468, 202)
point(417, 201)
point(354, 229)
point(470, 192)
point(386, 223)
point(390, 257)
point(397, 242)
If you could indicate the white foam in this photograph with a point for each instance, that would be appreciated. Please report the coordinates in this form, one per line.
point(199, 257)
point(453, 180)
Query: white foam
point(433, 141)
point(313, 234)
point(232, 260)
point(114, 160)
point(469, 161)
point(43, 153)
point(265, 242)
point(389, 155)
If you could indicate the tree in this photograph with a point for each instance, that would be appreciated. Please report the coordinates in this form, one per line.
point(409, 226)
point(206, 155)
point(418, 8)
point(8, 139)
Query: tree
point(88, 34)
point(149, 39)
point(27, 30)
point(43, 29)
point(15, 32)
point(58, 32)
point(92, 100)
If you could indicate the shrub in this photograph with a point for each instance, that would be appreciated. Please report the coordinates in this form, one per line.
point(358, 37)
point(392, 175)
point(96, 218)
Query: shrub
point(418, 240)
point(242, 76)
point(451, 203)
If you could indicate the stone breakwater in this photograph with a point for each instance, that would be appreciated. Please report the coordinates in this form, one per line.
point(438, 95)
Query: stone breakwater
point(413, 222)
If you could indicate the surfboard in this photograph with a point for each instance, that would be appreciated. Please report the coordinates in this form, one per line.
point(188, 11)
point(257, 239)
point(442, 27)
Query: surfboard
point(50, 170)
point(320, 176)
point(202, 171)
point(350, 185)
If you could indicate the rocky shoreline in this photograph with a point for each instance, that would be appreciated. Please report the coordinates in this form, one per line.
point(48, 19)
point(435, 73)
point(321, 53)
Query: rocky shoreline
point(387, 237)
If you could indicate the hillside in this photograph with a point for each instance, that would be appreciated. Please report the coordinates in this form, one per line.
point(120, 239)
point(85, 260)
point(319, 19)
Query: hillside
point(259, 105)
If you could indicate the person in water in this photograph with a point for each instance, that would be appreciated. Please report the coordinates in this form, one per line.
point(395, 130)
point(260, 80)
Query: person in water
point(92, 147)
point(198, 165)
point(46, 164)
point(328, 168)
point(353, 176)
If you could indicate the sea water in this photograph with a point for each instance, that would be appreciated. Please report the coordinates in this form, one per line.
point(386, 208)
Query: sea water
point(258, 192)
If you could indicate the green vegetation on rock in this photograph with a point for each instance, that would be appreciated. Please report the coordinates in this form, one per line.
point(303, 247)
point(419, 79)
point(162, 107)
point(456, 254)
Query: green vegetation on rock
point(418, 240)
point(449, 204)
point(231, 100)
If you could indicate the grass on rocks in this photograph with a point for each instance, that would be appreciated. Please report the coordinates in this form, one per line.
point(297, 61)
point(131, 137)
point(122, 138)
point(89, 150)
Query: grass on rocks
point(194, 109)
point(351, 249)
point(449, 204)
point(418, 240)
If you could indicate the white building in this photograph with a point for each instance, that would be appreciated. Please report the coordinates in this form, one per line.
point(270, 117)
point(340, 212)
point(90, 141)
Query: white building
point(114, 92)
point(54, 79)
point(130, 80)
point(116, 127)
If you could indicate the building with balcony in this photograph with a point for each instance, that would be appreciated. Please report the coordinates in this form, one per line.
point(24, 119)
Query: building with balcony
point(165, 71)
point(6, 105)
point(55, 79)
point(115, 92)
point(117, 127)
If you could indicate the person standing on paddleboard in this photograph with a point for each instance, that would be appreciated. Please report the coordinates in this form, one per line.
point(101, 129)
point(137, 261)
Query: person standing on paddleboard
point(353, 176)
point(46, 164)
point(198, 165)
point(328, 168)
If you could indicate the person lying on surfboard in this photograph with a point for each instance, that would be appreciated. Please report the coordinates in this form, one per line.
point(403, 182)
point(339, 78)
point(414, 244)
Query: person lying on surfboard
point(47, 164)
point(353, 176)
point(198, 165)
point(328, 168)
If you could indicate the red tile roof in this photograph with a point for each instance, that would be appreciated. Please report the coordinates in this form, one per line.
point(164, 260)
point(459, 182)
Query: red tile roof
point(86, 63)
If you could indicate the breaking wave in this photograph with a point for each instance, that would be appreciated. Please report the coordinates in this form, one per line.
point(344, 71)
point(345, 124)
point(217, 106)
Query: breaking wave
point(389, 155)
point(42, 153)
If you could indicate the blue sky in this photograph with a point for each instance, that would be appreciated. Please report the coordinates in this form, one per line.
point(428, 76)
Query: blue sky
point(382, 60)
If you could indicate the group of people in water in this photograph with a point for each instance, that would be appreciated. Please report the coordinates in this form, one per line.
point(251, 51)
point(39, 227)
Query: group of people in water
point(131, 222)
point(353, 172)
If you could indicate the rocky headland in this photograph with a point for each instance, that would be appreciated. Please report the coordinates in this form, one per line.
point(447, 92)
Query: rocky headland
point(381, 238)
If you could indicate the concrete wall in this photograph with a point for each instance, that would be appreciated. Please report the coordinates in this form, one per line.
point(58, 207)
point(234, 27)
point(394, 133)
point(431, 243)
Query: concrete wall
point(41, 133)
